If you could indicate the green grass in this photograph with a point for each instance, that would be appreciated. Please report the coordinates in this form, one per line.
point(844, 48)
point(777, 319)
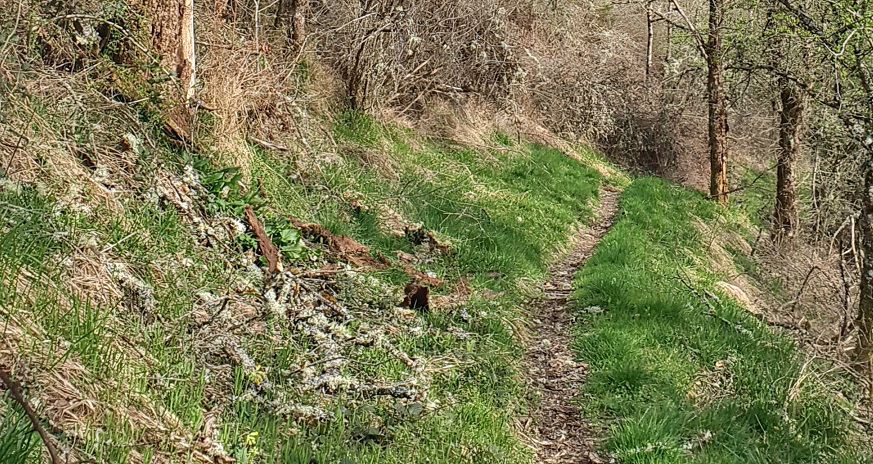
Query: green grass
point(678, 380)
point(17, 438)
point(502, 212)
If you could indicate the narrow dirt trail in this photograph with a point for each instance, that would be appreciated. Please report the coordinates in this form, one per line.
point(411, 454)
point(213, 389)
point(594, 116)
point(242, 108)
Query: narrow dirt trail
point(560, 434)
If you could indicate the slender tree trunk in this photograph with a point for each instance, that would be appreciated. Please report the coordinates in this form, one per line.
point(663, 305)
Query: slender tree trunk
point(718, 126)
point(669, 34)
point(649, 39)
point(280, 14)
point(187, 61)
point(865, 304)
point(790, 117)
point(298, 21)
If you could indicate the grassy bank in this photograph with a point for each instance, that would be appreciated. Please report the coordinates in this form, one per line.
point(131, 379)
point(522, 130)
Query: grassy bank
point(123, 295)
point(684, 377)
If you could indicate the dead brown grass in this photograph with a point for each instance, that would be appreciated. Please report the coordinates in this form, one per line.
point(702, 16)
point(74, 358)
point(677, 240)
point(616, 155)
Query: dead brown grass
point(73, 400)
point(799, 288)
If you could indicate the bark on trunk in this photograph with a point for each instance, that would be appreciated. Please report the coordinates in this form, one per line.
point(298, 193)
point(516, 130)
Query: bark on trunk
point(298, 21)
point(718, 127)
point(865, 304)
point(172, 32)
point(790, 117)
point(187, 61)
point(165, 19)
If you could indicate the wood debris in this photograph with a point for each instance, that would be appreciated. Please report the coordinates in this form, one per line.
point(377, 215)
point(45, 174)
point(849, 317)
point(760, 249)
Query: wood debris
point(417, 297)
point(346, 248)
point(268, 250)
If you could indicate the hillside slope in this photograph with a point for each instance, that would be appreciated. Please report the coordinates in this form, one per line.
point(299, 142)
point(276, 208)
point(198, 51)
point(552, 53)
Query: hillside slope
point(261, 275)
point(141, 321)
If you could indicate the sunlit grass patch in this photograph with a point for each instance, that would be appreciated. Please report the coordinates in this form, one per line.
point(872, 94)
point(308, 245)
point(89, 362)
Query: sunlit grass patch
point(683, 377)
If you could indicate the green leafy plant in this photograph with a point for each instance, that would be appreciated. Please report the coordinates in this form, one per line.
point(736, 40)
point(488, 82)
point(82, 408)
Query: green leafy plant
point(225, 185)
point(283, 234)
point(286, 237)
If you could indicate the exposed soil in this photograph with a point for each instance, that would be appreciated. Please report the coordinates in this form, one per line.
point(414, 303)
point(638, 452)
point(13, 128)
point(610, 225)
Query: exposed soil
point(559, 432)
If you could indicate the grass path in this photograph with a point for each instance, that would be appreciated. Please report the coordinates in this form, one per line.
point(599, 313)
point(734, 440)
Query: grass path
point(562, 435)
point(688, 376)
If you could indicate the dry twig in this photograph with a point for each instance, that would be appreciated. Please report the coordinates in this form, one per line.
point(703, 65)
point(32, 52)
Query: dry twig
point(14, 390)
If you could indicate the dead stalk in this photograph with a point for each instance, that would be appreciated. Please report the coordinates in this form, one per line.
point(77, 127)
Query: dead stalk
point(14, 390)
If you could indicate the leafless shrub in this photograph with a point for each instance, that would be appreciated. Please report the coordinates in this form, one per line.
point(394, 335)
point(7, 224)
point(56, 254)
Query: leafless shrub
point(584, 79)
point(570, 68)
point(838, 153)
point(393, 53)
point(69, 35)
point(647, 135)
point(810, 291)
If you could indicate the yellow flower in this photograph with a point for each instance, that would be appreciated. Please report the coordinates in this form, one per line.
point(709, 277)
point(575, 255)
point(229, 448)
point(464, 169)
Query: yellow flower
point(252, 439)
point(257, 376)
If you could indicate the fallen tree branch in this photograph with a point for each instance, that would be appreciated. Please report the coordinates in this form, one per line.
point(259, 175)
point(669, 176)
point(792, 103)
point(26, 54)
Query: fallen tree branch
point(14, 390)
point(330, 304)
point(707, 297)
point(803, 287)
point(268, 250)
point(750, 184)
point(217, 313)
point(267, 145)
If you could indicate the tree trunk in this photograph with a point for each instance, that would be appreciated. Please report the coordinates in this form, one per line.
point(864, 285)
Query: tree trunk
point(280, 14)
point(172, 32)
point(669, 34)
point(865, 304)
point(718, 127)
point(650, 36)
point(187, 59)
point(298, 21)
point(790, 116)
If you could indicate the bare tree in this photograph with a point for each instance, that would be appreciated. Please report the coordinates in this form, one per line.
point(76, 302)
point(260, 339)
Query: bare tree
point(400, 53)
point(865, 303)
point(650, 38)
point(668, 39)
point(711, 49)
point(718, 125)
